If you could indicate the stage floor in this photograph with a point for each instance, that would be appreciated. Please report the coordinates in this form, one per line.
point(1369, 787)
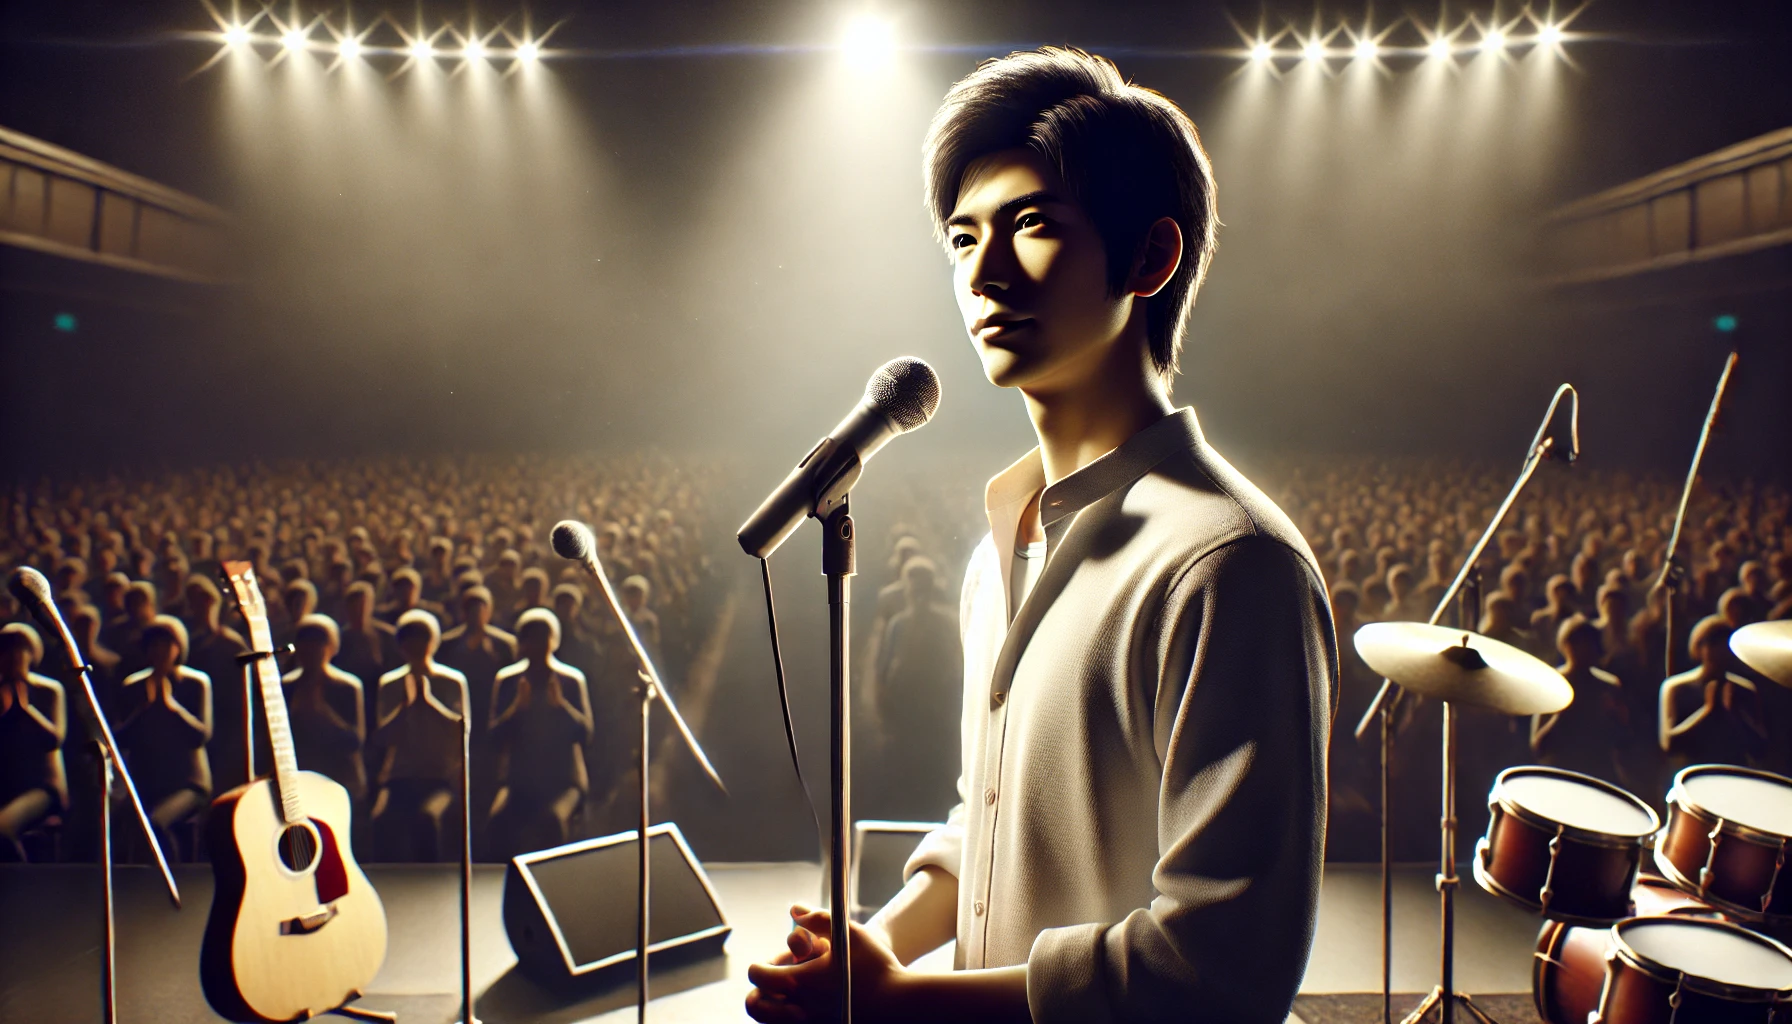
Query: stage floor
point(49, 945)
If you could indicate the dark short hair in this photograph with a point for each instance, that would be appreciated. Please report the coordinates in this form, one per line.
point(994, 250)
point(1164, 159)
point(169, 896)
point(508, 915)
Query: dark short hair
point(1128, 155)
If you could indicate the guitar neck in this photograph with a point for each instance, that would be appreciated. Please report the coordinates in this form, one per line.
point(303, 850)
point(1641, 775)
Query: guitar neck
point(241, 578)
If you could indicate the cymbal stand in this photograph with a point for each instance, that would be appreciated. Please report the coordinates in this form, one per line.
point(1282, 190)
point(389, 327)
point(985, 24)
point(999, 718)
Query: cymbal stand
point(1673, 573)
point(651, 688)
point(1445, 996)
point(1381, 708)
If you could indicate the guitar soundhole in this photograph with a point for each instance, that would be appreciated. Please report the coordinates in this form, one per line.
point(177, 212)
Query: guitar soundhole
point(298, 847)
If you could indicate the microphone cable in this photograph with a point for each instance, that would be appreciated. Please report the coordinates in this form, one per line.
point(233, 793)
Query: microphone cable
point(796, 762)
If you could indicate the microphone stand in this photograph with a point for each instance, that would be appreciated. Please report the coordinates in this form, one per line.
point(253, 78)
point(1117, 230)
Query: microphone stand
point(466, 854)
point(111, 767)
point(1382, 708)
point(839, 563)
point(1672, 573)
point(649, 689)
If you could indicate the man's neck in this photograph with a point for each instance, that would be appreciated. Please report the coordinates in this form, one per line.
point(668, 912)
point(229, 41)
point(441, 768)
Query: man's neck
point(1084, 420)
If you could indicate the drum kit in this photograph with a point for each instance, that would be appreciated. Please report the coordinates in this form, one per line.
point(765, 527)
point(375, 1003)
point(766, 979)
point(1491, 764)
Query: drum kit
point(1699, 937)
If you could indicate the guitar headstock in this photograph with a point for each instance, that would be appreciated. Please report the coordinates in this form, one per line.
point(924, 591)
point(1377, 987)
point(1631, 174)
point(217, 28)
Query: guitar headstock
point(239, 578)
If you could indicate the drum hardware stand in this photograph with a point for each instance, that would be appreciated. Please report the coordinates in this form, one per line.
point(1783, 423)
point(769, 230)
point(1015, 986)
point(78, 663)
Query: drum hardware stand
point(1542, 447)
point(651, 688)
point(1673, 575)
point(1445, 996)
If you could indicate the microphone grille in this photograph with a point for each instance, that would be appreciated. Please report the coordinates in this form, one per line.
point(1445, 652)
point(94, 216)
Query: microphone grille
point(29, 586)
point(906, 390)
point(572, 539)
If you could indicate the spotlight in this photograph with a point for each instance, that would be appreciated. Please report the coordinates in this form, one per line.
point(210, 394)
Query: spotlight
point(1261, 52)
point(293, 39)
point(868, 40)
point(236, 35)
point(1438, 48)
point(1314, 50)
point(474, 50)
point(1494, 40)
point(528, 53)
point(1366, 49)
point(421, 50)
point(350, 47)
point(1550, 34)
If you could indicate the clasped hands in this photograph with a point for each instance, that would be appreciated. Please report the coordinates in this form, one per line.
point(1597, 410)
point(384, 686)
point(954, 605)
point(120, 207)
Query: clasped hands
point(798, 984)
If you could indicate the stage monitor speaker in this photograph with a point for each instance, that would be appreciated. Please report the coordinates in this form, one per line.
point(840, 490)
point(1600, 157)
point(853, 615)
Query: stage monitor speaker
point(879, 851)
point(570, 911)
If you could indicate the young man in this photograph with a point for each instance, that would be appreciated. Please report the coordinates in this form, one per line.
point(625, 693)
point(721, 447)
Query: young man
point(1149, 656)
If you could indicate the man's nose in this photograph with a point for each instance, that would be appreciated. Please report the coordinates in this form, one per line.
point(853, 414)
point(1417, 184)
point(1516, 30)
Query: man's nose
point(991, 269)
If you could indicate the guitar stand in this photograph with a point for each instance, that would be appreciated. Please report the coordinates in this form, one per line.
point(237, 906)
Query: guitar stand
point(358, 1013)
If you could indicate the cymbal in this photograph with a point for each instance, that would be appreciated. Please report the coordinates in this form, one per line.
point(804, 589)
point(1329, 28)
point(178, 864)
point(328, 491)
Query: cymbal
point(1461, 667)
point(1766, 647)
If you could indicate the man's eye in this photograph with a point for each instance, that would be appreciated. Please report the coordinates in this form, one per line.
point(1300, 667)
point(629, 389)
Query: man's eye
point(1029, 220)
point(961, 240)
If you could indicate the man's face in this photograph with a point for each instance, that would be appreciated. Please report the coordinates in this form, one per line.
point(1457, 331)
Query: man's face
point(1030, 275)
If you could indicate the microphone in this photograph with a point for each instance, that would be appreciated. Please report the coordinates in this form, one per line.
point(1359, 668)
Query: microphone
point(903, 394)
point(1556, 450)
point(31, 589)
point(573, 541)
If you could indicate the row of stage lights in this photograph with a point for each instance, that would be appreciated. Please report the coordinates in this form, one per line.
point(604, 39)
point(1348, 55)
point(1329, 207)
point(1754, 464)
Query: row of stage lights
point(866, 40)
point(1345, 42)
point(267, 32)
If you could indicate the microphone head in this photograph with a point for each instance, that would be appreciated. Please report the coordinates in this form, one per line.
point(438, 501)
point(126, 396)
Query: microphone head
point(573, 540)
point(906, 390)
point(30, 587)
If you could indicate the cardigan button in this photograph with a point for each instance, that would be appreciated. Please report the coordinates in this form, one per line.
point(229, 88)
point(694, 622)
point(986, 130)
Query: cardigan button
point(989, 796)
point(977, 908)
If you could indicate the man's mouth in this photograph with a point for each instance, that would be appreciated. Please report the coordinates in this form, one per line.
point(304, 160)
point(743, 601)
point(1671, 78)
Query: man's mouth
point(996, 330)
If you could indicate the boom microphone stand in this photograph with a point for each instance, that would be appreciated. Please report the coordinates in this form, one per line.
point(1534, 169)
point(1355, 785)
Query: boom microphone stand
point(1672, 572)
point(574, 541)
point(33, 591)
point(1543, 446)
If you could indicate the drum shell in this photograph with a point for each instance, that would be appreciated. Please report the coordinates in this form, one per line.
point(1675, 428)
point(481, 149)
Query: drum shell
point(1592, 878)
point(1655, 896)
point(1636, 993)
point(1568, 973)
point(1743, 869)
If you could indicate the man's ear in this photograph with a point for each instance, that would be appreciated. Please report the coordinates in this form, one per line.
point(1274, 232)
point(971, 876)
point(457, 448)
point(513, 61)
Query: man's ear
point(1158, 260)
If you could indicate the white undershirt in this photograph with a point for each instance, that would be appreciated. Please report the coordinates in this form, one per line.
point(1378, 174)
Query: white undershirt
point(1029, 562)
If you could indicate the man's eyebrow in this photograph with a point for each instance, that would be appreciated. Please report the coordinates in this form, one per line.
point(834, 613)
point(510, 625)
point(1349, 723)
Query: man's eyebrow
point(1033, 198)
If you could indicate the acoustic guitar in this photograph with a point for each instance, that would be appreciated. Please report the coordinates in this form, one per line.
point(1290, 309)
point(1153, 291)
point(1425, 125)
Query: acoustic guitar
point(295, 930)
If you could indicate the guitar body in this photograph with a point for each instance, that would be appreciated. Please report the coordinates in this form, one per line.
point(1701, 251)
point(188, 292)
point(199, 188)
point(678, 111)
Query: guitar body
point(287, 942)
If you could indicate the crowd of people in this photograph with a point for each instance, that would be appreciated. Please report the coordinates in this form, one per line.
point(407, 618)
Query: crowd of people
point(1570, 578)
point(404, 594)
point(401, 595)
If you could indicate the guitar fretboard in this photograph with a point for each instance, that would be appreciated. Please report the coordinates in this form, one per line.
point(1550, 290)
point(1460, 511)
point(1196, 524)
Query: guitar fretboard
point(241, 578)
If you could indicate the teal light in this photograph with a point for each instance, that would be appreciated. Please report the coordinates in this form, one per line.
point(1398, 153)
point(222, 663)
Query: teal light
point(65, 322)
point(1725, 323)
